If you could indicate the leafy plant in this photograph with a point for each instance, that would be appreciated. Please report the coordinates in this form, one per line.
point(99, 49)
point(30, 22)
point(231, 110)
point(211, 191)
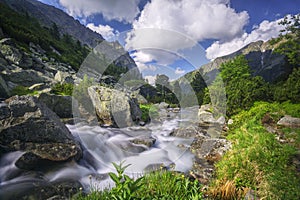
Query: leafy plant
point(159, 184)
point(126, 187)
point(63, 89)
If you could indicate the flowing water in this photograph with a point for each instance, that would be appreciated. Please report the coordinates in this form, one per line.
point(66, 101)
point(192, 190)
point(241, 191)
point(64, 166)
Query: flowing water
point(101, 147)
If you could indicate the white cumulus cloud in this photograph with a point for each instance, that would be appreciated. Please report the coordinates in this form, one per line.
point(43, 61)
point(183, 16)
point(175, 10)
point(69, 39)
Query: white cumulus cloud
point(144, 67)
point(151, 79)
point(174, 25)
point(179, 71)
point(119, 10)
point(264, 31)
point(106, 31)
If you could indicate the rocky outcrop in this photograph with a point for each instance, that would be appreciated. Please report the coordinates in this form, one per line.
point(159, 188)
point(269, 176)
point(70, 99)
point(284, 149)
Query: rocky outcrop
point(20, 68)
point(10, 52)
point(207, 152)
point(28, 125)
point(289, 121)
point(206, 117)
point(47, 15)
point(64, 77)
point(4, 91)
point(114, 107)
point(61, 105)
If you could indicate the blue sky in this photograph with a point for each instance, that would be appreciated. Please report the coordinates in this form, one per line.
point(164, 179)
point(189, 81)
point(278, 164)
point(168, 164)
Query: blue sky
point(176, 36)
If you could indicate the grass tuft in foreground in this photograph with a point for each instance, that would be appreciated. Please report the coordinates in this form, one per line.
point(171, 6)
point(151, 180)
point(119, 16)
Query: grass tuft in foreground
point(155, 185)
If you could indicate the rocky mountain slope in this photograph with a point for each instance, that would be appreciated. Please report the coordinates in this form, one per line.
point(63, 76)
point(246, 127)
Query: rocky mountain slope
point(262, 60)
point(48, 15)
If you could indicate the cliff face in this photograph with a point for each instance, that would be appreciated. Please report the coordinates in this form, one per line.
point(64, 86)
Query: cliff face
point(263, 61)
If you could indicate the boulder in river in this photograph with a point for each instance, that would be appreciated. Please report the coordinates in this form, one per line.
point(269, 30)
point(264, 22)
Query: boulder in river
point(30, 126)
point(114, 107)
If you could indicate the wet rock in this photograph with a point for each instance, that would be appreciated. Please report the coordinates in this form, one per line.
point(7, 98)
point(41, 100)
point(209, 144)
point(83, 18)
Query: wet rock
point(187, 132)
point(48, 191)
point(144, 140)
point(61, 105)
point(31, 127)
point(114, 107)
point(289, 121)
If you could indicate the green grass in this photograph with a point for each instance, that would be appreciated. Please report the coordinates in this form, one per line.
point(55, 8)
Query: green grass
point(22, 90)
point(257, 160)
point(155, 185)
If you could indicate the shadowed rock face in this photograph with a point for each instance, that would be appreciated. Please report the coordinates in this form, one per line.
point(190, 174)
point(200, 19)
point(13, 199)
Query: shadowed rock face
point(28, 125)
point(61, 105)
